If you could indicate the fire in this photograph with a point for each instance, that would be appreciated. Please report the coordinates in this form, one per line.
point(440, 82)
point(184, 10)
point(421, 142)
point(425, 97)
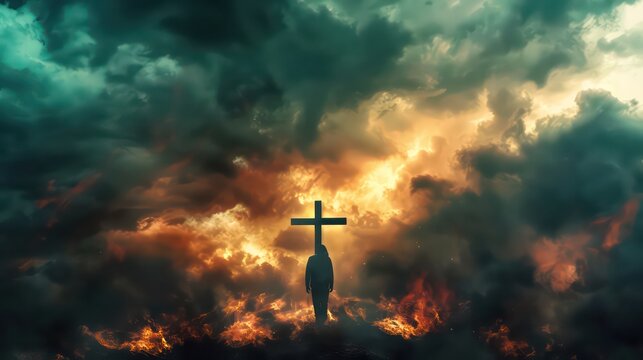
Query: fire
point(153, 339)
point(298, 315)
point(149, 340)
point(233, 305)
point(245, 331)
point(353, 308)
point(250, 328)
point(498, 335)
point(422, 310)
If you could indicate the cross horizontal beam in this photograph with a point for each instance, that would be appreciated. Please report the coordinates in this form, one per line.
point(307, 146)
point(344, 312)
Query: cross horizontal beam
point(318, 221)
point(313, 221)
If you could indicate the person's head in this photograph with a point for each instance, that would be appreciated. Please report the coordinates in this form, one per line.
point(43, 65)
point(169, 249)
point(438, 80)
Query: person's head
point(323, 250)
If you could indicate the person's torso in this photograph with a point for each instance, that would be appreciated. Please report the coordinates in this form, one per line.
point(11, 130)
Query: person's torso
point(321, 270)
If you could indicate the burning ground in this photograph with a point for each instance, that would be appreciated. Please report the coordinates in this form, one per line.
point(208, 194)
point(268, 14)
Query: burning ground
point(154, 152)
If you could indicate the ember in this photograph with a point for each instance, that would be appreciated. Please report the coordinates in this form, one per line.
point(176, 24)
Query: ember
point(498, 336)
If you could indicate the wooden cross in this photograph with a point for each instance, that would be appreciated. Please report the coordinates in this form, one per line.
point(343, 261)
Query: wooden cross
point(318, 221)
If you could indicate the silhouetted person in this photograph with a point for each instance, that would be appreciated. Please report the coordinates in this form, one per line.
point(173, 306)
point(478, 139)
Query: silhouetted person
point(319, 279)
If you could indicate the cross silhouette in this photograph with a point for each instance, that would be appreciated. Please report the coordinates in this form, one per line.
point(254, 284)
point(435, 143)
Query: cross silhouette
point(318, 221)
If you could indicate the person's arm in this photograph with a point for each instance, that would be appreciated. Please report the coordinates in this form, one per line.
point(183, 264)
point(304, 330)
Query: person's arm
point(332, 277)
point(308, 276)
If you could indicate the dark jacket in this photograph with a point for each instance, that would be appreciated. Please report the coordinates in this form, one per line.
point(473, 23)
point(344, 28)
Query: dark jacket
point(319, 272)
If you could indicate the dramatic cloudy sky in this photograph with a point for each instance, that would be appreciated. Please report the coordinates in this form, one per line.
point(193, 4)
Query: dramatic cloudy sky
point(487, 154)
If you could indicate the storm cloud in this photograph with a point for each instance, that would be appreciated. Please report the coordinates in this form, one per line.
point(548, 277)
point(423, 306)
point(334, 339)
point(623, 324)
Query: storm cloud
point(153, 151)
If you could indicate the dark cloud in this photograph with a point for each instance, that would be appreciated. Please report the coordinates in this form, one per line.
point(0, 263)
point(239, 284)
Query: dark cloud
point(580, 173)
point(293, 240)
point(431, 184)
point(509, 110)
point(501, 42)
point(226, 22)
point(436, 189)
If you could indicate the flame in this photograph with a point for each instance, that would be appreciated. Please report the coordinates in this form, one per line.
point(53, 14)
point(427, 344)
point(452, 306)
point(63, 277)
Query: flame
point(418, 313)
point(498, 335)
point(353, 309)
point(250, 328)
point(245, 331)
point(153, 338)
point(297, 314)
point(235, 305)
point(150, 341)
point(147, 340)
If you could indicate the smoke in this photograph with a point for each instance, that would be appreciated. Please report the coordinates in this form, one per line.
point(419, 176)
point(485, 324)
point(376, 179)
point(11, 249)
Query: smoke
point(153, 153)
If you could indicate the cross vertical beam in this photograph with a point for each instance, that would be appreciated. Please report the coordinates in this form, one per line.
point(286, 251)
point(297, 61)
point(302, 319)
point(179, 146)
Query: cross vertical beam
point(318, 221)
point(318, 226)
